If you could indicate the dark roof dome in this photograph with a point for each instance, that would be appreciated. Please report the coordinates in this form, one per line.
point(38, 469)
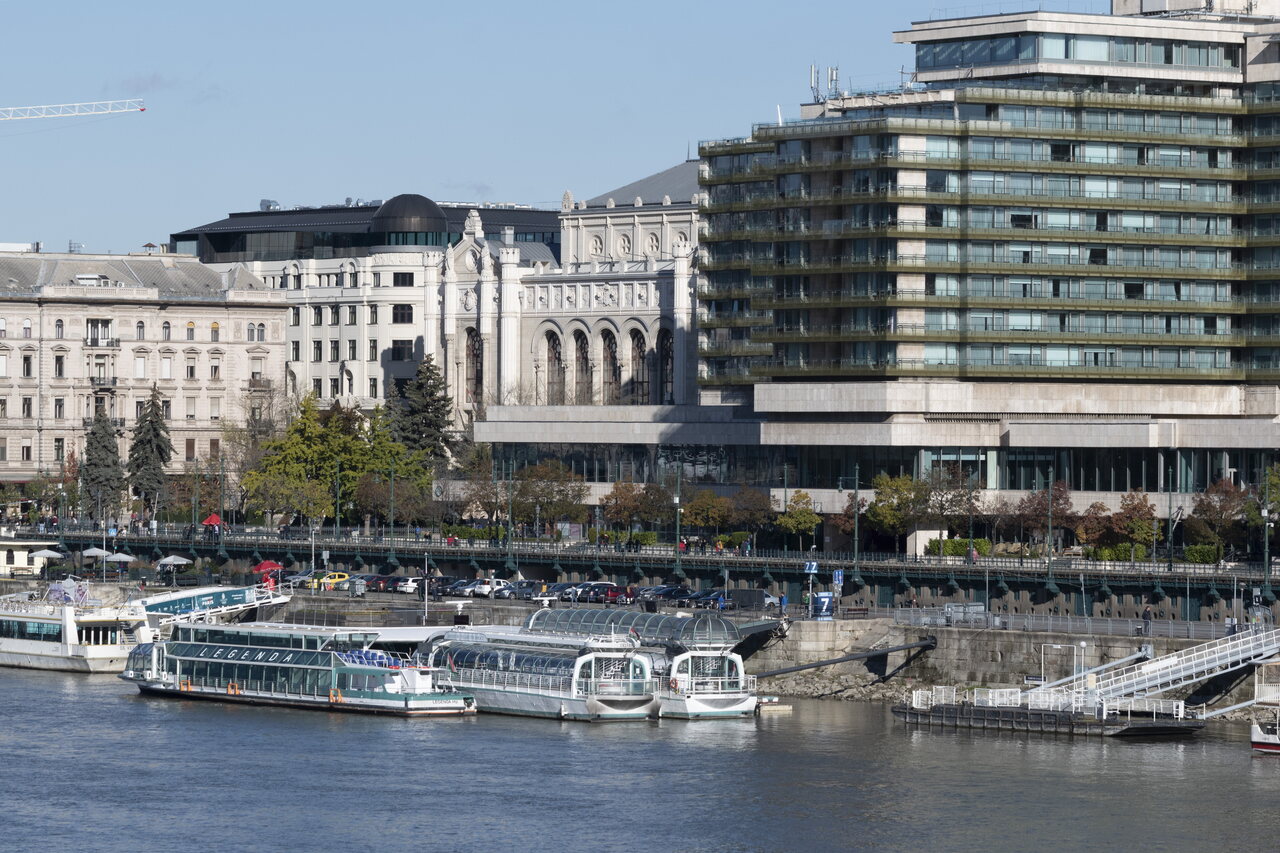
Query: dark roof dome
point(409, 212)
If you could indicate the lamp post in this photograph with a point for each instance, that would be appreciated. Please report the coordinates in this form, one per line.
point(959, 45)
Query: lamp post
point(1266, 531)
point(391, 555)
point(1048, 542)
point(1168, 537)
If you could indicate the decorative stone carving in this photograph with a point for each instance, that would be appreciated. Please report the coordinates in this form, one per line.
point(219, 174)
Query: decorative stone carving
point(469, 300)
point(566, 201)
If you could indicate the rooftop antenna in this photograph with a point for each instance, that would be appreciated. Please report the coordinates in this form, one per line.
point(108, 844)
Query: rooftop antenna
point(833, 81)
point(779, 106)
point(813, 83)
point(74, 248)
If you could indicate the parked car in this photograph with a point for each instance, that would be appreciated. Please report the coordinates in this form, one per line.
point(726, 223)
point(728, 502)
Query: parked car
point(299, 578)
point(553, 593)
point(652, 593)
point(408, 586)
point(600, 592)
point(674, 594)
point(486, 587)
point(378, 583)
point(457, 586)
point(520, 590)
point(328, 580)
point(574, 591)
point(753, 599)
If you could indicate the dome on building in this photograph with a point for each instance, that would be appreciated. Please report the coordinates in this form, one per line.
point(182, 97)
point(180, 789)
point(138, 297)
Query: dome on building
point(408, 213)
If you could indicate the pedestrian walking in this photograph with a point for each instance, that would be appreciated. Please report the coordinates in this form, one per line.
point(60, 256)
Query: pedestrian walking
point(1146, 621)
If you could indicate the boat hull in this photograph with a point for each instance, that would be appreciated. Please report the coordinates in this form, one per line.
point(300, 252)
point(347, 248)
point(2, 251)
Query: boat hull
point(52, 656)
point(680, 707)
point(1044, 721)
point(1267, 743)
point(497, 700)
point(441, 705)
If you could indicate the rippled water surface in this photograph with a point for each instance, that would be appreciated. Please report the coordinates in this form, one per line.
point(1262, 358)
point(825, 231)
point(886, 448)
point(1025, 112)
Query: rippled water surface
point(92, 766)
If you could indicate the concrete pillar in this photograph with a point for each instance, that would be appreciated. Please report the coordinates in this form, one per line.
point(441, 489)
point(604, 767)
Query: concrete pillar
point(431, 306)
point(509, 326)
point(682, 325)
point(451, 352)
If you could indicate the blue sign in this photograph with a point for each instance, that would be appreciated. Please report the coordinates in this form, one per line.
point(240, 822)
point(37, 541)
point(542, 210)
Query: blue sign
point(811, 568)
point(837, 577)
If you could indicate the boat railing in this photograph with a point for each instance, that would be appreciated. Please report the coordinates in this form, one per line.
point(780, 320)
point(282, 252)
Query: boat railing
point(1130, 705)
point(699, 685)
point(520, 680)
point(616, 686)
point(987, 697)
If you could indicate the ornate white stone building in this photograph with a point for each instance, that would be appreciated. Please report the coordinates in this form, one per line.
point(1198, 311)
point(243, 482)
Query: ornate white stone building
point(86, 333)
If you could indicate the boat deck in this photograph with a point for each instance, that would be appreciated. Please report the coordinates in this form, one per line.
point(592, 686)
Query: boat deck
point(1045, 721)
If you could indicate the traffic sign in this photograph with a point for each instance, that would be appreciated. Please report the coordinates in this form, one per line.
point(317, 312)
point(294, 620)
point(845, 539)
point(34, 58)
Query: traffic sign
point(811, 568)
point(837, 577)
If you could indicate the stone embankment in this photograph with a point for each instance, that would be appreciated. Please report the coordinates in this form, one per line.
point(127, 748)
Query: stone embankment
point(963, 658)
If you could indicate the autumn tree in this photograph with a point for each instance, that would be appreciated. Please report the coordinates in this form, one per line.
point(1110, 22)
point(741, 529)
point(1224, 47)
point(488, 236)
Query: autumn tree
point(1134, 523)
point(847, 521)
point(706, 509)
point(551, 492)
point(799, 517)
point(621, 507)
point(900, 504)
point(1033, 510)
point(1221, 509)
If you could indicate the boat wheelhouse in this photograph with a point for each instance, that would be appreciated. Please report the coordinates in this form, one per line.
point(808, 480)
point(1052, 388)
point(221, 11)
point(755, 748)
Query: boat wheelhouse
point(568, 677)
point(693, 658)
point(65, 628)
point(1264, 733)
point(303, 666)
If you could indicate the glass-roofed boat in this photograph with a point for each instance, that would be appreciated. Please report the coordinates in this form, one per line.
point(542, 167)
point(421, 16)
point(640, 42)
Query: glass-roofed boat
point(565, 676)
point(304, 666)
point(699, 673)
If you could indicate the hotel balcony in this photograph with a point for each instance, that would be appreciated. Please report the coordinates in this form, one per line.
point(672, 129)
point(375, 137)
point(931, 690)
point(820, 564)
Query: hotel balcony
point(102, 343)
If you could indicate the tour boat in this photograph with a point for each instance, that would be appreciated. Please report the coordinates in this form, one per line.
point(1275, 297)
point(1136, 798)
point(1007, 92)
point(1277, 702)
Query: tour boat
point(1264, 734)
point(567, 677)
point(302, 666)
point(699, 673)
point(65, 629)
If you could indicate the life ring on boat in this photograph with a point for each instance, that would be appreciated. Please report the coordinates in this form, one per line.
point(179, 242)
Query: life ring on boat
point(674, 684)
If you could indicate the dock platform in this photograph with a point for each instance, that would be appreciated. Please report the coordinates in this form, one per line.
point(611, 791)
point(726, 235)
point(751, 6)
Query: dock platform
point(964, 715)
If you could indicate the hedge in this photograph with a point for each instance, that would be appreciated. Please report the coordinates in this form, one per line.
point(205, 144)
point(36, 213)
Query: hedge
point(957, 547)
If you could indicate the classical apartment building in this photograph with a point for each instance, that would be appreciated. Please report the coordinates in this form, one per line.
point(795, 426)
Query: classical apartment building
point(86, 333)
point(1055, 251)
point(373, 289)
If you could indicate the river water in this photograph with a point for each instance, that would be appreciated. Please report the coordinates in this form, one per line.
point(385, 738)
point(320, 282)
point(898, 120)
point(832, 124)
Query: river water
point(90, 765)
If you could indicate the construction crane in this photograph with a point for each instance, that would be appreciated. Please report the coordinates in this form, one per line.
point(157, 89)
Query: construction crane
point(88, 108)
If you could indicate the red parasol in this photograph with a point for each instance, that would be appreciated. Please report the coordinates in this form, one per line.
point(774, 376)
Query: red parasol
point(266, 566)
point(213, 518)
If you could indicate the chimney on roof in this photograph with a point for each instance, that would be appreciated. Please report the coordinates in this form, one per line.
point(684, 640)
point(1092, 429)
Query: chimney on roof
point(508, 234)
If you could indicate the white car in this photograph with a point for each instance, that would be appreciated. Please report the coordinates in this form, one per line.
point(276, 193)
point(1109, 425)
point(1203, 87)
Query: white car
point(484, 587)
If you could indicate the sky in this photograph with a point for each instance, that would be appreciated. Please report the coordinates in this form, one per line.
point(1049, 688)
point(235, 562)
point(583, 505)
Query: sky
point(310, 103)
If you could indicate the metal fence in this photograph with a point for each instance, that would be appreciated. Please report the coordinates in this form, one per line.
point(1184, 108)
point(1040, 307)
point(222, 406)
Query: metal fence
point(930, 617)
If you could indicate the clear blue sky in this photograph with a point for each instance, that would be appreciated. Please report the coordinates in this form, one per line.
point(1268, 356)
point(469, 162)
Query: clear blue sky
point(309, 103)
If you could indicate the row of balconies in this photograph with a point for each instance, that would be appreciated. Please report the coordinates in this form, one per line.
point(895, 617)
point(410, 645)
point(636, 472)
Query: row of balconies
point(765, 166)
point(1005, 264)
point(765, 299)
point(1153, 201)
point(840, 229)
point(1074, 333)
point(1022, 368)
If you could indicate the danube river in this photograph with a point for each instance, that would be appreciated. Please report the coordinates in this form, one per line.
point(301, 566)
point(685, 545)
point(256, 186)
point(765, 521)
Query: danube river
point(93, 766)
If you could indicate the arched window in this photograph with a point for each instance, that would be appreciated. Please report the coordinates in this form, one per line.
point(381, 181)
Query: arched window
point(666, 368)
point(262, 332)
point(213, 332)
point(26, 328)
point(582, 370)
point(59, 328)
point(611, 386)
point(639, 391)
point(166, 331)
point(140, 330)
point(253, 333)
point(475, 368)
point(191, 331)
point(555, 371)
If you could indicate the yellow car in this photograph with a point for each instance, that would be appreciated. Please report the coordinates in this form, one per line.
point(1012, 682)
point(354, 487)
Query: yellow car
point(329, 581)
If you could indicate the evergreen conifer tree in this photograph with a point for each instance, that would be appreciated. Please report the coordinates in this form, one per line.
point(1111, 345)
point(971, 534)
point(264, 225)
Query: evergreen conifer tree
point(422, 418)
point(101, 475)
point(149, 452)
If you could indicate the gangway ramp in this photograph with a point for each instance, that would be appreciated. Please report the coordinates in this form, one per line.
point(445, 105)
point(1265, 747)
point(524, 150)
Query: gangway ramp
point(211, 603)
point(1188, 666)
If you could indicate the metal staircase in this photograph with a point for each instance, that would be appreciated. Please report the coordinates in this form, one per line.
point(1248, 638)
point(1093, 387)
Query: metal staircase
point(262, 596)
point(1186, 667)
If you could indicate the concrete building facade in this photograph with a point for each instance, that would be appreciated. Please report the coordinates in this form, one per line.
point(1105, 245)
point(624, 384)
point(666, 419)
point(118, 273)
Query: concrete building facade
point(86, 333)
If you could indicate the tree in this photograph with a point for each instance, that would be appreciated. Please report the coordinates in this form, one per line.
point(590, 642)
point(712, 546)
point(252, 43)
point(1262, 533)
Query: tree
point(1221, 509)
point(952, 496)
point(482, 492)
point(149, 453)
point(999, 514)
point(621, 506)
point(422, 416)
point(101, 476)
point(549, 490)
point(657, 505)
point(900, 504)
point(1094, 526)
point(244, 441)
point(799, 517)
point(1033, 510)
point(707, 509)
point(750, 509)
point(847, 520)
point(1134, 523)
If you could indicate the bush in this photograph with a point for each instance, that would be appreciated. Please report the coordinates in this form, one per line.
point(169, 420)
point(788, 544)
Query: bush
point(1116, 553)
point(643, 537)
point(957, 547)
point(462, 531)
point(733, 540)
point(1200, 553)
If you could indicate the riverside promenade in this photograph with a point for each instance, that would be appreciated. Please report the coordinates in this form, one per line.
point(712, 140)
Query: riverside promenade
point(1012, 586)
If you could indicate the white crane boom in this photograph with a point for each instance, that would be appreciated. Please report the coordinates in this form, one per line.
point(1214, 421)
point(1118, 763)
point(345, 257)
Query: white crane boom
point(88, 108)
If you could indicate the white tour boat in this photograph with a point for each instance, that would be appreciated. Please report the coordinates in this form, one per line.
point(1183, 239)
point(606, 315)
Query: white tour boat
point(1264, 734)
point(568, 677)
point(693, 657)
point(64, 628)
point(303, 666)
